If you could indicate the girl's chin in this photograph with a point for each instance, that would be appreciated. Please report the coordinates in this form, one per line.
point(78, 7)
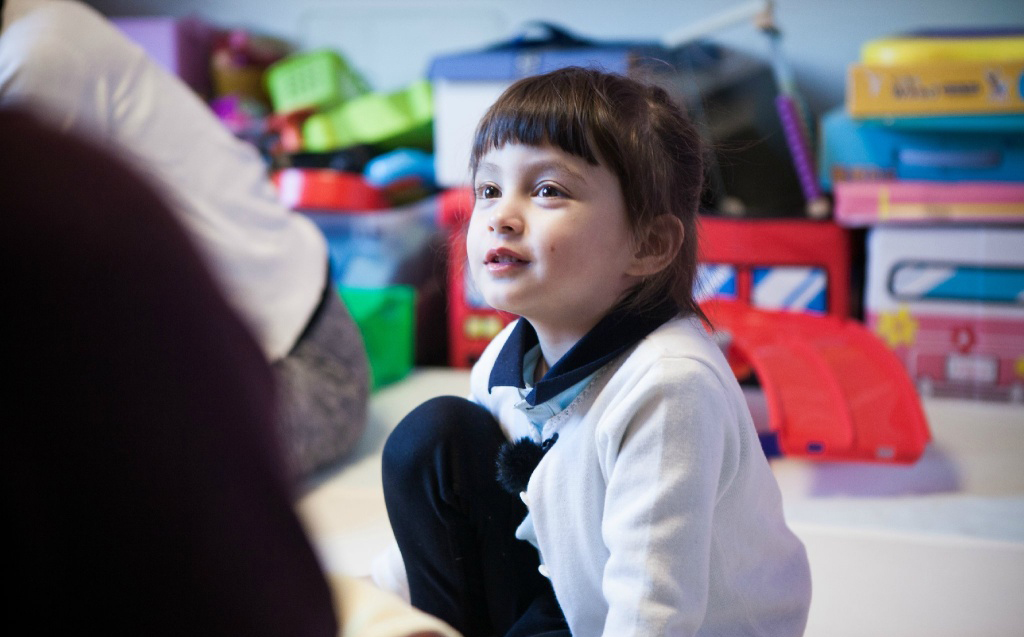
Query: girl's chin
point(509, 308)
point(503, 304)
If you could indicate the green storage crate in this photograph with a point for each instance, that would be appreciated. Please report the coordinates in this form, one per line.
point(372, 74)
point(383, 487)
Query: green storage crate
point(387, 321)
point(386, 120)
point(315, 80)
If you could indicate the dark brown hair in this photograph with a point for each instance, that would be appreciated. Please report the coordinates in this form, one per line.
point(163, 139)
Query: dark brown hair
point(633, 128)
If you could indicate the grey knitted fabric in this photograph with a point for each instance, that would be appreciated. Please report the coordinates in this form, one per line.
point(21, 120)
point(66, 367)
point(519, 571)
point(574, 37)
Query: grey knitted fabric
point(323, 391)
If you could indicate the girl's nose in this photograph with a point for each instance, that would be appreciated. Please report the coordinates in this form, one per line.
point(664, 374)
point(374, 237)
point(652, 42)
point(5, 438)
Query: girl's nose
point(505, 219)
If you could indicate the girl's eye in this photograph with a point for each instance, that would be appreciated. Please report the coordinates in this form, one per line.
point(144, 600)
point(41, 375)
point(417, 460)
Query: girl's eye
point(548, 191)
point(488, 191)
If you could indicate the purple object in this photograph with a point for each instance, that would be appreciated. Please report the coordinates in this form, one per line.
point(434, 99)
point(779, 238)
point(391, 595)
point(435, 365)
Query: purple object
point(799, 148)
point(180, 45)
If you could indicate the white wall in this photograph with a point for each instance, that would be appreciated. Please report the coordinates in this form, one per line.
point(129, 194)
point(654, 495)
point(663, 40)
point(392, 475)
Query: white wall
point(391, 41)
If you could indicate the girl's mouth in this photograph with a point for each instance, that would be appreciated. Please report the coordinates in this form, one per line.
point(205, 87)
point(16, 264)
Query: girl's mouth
point(503, 255)
point(503, 259)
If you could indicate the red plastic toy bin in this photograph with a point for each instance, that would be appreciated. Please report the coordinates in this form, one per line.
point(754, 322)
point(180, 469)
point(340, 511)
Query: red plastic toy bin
point(328, 190)
point(749, 244)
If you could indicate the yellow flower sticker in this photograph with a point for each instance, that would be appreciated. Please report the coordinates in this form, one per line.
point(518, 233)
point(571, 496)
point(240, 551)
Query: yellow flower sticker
point(897, 328)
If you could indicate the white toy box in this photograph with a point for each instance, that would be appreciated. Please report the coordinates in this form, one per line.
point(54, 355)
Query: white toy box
point(950, 302)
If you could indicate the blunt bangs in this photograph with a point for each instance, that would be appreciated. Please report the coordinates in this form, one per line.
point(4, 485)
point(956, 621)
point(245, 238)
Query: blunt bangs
point(534, 118)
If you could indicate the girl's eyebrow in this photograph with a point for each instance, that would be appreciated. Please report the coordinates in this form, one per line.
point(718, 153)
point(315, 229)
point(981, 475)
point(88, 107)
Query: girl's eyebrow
point(532, 168)
point(486, 167)
point(553, 165)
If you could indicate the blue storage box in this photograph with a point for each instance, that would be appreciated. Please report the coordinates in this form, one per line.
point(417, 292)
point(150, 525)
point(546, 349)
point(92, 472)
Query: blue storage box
point(381, 248)
point(854, 149)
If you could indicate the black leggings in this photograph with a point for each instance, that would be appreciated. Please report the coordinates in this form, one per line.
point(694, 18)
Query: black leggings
point(455, 526)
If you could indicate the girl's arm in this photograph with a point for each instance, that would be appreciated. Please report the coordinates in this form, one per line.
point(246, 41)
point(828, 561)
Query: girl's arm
point(674, 456)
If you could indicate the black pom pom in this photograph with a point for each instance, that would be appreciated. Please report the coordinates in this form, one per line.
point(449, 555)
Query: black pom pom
point(517, 460)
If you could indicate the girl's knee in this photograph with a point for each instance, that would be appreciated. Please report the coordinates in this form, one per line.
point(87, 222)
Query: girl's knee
point(435, 427)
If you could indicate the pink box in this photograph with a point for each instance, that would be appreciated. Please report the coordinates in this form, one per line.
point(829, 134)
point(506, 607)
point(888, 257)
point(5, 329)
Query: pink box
point(861, 203)
point(180, 45)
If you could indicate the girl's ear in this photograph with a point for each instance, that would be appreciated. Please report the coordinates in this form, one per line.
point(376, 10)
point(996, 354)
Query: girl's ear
point(660, 245)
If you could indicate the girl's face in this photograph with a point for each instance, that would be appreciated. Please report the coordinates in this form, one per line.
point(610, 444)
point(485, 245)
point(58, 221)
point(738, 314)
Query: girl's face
point(549, 239)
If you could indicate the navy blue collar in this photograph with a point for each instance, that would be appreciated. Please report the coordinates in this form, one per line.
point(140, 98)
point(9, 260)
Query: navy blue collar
point(618, 331)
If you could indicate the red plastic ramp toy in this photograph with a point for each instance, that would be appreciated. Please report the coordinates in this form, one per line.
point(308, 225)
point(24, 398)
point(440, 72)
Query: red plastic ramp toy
point(833, 390)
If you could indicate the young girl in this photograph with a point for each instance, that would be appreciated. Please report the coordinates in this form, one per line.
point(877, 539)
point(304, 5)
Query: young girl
point(640, 502)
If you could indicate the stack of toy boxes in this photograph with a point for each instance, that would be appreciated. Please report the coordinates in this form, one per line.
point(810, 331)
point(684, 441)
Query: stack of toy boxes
point(929, 154)
point(358, 164)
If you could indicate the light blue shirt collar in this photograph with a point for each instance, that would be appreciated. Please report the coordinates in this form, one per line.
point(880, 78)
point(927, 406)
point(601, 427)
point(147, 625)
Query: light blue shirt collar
point(542, 412)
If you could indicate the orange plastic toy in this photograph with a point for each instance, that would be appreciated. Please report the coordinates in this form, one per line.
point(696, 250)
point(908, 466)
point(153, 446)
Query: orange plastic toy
point(834, 391)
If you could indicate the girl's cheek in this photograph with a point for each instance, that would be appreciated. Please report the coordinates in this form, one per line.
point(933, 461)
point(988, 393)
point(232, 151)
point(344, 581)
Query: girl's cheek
point(472, 238)
point(472, 250)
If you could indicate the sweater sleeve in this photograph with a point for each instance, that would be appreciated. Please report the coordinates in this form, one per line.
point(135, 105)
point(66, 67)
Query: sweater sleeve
point(43, 71)
point(668, 458)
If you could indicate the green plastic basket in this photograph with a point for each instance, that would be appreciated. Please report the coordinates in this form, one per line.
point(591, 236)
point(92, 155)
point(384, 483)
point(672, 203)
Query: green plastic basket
point(315, 80)
point(386, 120)
point(387, 321)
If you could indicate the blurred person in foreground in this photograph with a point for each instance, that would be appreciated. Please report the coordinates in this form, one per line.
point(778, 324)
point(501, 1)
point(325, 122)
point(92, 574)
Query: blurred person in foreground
point(65, 63)
point(142, 478)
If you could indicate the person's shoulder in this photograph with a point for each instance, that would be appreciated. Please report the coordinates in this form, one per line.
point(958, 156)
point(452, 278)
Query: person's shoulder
point(63, 9)
point(676, 378)
point(679, 353)
point(53, 16)
point(46, 33)
point(681, 338)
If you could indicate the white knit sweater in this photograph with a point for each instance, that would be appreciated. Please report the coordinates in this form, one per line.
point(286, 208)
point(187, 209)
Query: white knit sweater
point(656, 512)
point(65, 63)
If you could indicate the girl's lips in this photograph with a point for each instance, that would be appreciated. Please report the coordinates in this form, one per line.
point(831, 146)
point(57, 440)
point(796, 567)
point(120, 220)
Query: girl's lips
point(502, 260)
point(502, 255)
